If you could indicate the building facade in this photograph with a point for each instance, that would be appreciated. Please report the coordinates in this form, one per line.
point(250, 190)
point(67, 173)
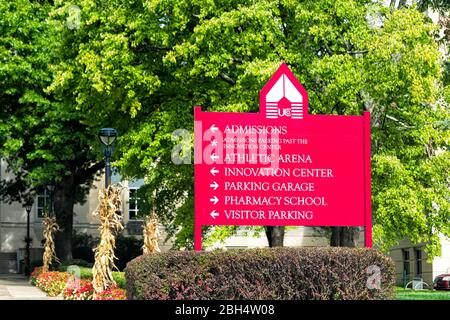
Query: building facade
point(411, 263)
point(13, 221)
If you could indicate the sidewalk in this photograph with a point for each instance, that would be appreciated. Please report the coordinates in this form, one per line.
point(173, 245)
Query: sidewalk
point(17, 287)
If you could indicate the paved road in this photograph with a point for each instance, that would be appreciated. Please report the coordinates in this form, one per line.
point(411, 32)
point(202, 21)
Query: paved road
point(17, 287)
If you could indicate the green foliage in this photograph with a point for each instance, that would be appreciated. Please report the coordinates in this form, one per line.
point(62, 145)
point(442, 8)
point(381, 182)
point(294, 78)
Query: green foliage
point(82, 246)
point(441, 6)
point(410, 179)
point(127, 248)
point(23, 74)
point(219, 56)
point(85, 272)
point(43, 138)
point(119, 278)
point(141, 66)
point(217, 235)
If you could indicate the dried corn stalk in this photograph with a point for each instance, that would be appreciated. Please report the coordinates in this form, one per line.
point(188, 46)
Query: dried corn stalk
point(50, 227)
point(150, 234)
point(108, 211)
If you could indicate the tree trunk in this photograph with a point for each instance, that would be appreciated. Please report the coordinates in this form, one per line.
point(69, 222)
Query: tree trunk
point(343, 237)
point(64, 200)
point(275, 236)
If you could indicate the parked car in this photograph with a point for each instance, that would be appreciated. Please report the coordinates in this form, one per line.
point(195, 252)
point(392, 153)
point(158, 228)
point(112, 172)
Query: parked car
point(442, 282)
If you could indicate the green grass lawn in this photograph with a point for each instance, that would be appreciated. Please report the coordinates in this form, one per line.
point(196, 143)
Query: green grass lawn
point(408, 294)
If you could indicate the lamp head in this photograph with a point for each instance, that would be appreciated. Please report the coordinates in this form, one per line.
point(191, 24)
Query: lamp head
point(107, 136)
point(28, 206)
point(51, 188)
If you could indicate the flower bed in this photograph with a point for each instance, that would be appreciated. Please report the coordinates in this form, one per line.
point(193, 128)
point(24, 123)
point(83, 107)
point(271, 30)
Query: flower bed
point(83, 290)
point(56, 282)
point(78, 290)
point(52, 282)
point(112, 294)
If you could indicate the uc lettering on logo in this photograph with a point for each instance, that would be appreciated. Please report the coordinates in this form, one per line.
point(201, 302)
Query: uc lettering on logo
point(284, 100)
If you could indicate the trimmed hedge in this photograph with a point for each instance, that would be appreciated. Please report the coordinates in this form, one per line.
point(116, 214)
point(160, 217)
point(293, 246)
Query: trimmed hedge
point(260, 274)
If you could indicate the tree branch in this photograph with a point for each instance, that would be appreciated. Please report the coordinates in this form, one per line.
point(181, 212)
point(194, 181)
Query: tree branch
point(357, 52)
point(227, 78)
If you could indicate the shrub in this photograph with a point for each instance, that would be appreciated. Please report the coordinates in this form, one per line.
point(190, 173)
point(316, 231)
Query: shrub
point(82, 290)
point(127, 248)
point(52, 282)
point(83, 253)
point(82, 245)
point(119, 278)
point(266, 274)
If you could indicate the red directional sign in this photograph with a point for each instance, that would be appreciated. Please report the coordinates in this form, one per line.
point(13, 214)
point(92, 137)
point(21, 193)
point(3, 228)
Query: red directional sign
point(282, 166)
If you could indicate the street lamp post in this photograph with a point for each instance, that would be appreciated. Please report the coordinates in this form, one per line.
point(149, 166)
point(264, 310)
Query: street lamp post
point(108, 138)
point(27, 267)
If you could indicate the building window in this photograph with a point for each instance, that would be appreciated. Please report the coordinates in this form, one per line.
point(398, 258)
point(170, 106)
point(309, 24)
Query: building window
point(406, 269)
point(418, 261)
point(42, 203)
point(133, 207)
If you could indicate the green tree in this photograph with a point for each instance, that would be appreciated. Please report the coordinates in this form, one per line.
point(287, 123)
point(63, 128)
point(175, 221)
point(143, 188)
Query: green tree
point(411, 160)
point(43, 138)
point(149, 62)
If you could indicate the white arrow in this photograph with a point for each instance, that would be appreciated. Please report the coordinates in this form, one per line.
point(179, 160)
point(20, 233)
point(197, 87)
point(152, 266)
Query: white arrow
point(214, 157)
point(214, 214)
point(214, 171)
point(214, 200)
point(213, 128)
point(214, 185)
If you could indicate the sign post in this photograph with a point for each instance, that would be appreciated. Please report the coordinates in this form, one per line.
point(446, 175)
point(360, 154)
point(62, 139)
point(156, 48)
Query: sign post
point(282, 166)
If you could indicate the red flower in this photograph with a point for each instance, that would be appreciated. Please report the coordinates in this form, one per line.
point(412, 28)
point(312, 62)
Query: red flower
point(112, 294)
point(83, 290)
point(52, 282)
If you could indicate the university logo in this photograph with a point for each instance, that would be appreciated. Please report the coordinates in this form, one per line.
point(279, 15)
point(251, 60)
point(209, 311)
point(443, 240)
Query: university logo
point(284, 100)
